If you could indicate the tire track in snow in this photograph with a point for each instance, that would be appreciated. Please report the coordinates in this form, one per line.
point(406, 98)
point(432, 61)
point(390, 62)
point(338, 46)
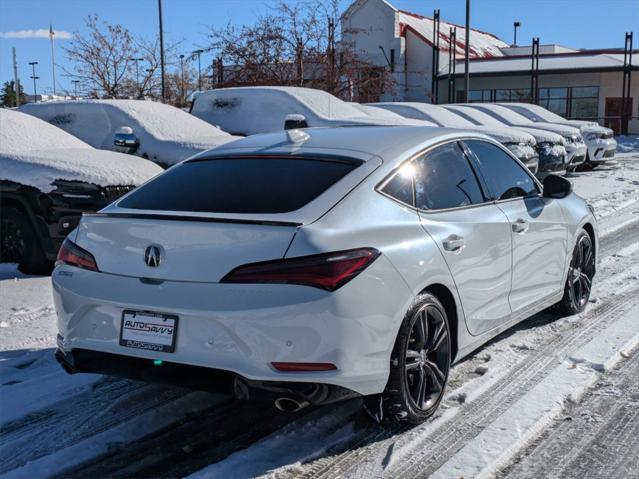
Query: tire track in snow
point(598, 436)
point(206, 437)
point(109, 403)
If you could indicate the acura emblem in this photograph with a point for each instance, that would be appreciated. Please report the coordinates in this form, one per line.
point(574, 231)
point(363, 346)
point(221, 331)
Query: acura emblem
point(153, 256)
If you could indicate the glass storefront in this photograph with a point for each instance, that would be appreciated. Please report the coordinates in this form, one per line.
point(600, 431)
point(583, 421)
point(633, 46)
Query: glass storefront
point(580, 103)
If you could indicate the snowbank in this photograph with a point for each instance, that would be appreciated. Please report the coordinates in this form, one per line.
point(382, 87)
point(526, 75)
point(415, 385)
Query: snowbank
point(627, 144)
point(34, 153)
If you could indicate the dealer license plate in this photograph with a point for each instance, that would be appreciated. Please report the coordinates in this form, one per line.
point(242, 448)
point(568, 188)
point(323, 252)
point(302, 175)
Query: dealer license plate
point(150, 331)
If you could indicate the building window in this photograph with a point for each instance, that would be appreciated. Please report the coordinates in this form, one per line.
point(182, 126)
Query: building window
point(584, 103)
point(581, 103)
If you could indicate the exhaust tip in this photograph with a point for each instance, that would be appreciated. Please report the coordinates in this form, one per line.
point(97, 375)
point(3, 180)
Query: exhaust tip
point(290, 404)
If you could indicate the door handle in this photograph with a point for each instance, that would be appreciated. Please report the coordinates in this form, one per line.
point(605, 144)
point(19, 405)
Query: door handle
point(454, 243)
point(520, 226)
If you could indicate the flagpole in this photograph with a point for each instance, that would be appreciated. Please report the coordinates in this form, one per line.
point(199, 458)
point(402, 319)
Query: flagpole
point(51, 37)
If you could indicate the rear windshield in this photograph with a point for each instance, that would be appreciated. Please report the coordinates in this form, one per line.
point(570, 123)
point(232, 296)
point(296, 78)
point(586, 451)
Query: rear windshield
point(239, 185)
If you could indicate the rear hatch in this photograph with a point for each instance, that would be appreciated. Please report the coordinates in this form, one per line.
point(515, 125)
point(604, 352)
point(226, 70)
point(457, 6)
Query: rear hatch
point(206, 217)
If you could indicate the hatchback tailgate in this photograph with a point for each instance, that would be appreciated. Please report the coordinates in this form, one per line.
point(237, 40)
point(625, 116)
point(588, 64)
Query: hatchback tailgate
point(196, 250)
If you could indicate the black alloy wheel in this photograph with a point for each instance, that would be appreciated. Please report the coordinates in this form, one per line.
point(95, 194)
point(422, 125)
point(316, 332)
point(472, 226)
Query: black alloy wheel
point(580, 274)
point(420, 363)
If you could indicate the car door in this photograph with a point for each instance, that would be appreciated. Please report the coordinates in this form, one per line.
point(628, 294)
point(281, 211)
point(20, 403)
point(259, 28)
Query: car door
point(472, 234)
point(538, 228)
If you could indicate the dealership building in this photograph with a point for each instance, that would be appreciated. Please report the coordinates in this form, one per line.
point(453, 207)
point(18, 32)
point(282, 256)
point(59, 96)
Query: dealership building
point(577, 84)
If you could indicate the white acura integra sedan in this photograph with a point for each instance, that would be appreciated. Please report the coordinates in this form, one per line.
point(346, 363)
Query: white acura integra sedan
point(309, 266)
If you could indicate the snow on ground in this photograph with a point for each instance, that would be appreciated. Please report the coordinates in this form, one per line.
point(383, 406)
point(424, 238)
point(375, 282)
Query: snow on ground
point(52, 421)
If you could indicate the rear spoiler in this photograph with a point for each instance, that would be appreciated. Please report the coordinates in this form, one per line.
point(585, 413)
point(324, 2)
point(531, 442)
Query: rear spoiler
point(201, 219)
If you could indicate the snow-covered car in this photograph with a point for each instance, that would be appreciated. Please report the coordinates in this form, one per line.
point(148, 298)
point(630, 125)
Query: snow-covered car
point(600, 140)
point(550, 146)
point(575, 147)
point(520, 143)
point(161, 133)
point(251, 110)
point(377, 112)
point(48, 178)
point(310, 266)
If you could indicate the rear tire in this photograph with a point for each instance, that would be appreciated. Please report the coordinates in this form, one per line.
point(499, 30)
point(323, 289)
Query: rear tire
point(580, 273)
point(19, 243)
point(420, 363)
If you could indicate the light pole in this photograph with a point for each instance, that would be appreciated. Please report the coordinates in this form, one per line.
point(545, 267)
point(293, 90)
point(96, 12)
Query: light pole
point(34, 78)
point(161, 50)
point(182, 76)
point(466, 53)
point(137, 72)
point(75, 87)
point(516, 25)
point(199, 73)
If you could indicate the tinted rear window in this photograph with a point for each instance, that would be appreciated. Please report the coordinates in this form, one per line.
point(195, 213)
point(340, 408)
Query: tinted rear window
point(238, 185)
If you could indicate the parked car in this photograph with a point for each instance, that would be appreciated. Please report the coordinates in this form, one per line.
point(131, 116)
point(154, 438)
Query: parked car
point(550, 146)
point(599, 140)
point(161, 133)
point(251, 110)
point(48, 178)
point(397, 252)
point(575, 146)
point(521, 144)
point(378, 112)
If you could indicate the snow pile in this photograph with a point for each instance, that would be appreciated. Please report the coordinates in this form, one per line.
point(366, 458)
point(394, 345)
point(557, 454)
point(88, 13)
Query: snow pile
point(251, 110)
point(627, 144)
point(35, 153)
point(482, 44)
point(166, 134)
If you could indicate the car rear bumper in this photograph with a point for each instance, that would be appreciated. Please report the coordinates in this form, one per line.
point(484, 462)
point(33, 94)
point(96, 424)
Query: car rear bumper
point(244, 328)
point(197, 377)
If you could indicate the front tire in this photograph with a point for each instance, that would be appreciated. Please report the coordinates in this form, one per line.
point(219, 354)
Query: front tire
point(420, 363)
point(580, 273)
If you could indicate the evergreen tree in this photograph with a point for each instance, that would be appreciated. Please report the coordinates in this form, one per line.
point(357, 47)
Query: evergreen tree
point(8, 95)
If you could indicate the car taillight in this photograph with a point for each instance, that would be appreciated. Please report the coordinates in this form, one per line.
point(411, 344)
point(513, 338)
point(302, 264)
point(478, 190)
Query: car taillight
point(70, 253)
point(325, 271)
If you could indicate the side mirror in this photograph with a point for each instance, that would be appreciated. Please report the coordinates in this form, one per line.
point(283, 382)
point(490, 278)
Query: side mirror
point(556, 187)
point(294, 122)
point(125, 138)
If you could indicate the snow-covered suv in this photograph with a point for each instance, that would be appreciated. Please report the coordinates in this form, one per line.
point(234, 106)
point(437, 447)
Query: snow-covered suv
point(161, 133)
point(48, 178)
point(251, 110)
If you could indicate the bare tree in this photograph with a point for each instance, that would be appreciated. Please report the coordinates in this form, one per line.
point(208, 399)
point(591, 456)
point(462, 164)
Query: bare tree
point(101, 57)
point(296, 44)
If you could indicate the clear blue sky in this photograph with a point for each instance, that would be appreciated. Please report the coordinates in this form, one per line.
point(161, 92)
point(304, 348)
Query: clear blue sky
point(574, 23)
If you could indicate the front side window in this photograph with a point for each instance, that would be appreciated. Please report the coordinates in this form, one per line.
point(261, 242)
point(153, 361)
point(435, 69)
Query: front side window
point(505, 178)
point(445, 179)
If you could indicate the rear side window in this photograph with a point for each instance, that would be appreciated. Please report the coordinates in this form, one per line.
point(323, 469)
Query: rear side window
point(504, 176)
point(239, 185)
point(400, 186)
point(445, 179)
